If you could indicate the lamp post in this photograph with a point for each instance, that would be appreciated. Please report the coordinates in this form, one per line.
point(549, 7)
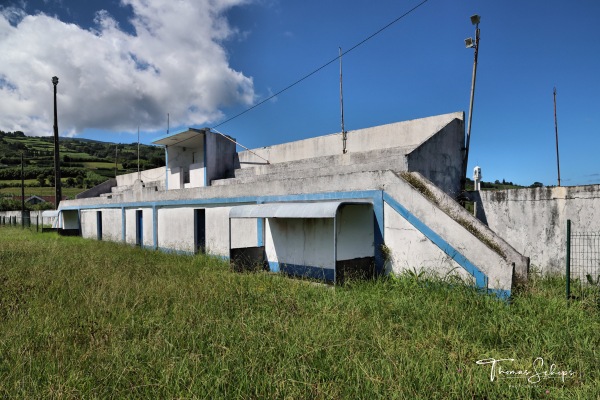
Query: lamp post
point(470, 44)
point(57, 191)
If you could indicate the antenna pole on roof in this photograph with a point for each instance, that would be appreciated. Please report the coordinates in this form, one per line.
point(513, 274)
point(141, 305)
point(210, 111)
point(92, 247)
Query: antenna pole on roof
point(344, 136)
point(168, 118)
point(556, 131)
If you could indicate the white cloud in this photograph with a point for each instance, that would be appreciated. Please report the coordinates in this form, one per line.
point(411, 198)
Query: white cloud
point(112, 80)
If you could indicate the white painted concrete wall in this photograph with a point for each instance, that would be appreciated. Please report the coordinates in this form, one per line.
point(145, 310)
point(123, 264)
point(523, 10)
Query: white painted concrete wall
point(176, 229)
point(498, 269)
point(534, 220)
point(175, 178)
point(355, 236)
point(244, 232)
point(147, 226)
point(88, 224)
point(412, 251)
point(439, 158)
point(217, 231)
point(407, 134)
point(149, 175)
point(111, 224)
point(197, 172)
point(306, 242)
point(130, 226)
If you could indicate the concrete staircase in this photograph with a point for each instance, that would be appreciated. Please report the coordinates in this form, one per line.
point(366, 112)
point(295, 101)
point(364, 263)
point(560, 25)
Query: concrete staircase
point(388, 159)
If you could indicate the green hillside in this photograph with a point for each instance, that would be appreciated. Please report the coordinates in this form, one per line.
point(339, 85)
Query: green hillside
point(84, 163)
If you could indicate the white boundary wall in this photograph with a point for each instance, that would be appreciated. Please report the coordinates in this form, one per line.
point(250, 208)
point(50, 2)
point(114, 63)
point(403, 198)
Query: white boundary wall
point(534, 220)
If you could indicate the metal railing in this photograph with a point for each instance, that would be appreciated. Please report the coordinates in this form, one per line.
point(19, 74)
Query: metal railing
point(582, 264)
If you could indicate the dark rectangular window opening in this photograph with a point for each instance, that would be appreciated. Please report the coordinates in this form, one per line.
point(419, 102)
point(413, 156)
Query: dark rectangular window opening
point(200, 230)
point(99, 224)
point(139, 228)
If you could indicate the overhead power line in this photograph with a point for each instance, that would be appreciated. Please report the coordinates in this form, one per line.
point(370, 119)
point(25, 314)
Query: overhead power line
point(322, 66)
point(311, 73)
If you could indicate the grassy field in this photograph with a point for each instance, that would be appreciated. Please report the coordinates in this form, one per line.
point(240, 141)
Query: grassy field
point(106, 165)
point(86, 319)
point(42, 191)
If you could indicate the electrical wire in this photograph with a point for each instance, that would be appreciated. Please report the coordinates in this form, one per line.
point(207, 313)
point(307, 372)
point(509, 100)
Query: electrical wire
point(322, 66)
point(314, 71)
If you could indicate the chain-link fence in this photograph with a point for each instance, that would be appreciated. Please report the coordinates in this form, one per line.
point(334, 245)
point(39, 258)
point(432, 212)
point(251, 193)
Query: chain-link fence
point(583, 264)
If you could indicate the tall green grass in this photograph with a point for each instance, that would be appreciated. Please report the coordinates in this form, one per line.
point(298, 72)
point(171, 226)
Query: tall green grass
point(86, 319)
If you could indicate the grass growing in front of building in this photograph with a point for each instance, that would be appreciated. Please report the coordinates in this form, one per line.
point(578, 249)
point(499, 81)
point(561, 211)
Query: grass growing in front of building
point(82, 319)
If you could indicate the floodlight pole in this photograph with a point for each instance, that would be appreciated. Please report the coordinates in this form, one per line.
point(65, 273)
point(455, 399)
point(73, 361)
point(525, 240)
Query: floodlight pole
point(57, 189)
point(475, 20)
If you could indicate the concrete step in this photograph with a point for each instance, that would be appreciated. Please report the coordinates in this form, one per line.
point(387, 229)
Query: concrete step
point(324, 162)
point(119, 189)
point(389, 162)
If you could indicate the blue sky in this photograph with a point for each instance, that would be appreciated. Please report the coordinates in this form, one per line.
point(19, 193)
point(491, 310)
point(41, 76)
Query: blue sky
point(204, 63)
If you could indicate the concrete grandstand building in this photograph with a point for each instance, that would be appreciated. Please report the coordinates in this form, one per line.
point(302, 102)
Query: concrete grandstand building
point(306, 208)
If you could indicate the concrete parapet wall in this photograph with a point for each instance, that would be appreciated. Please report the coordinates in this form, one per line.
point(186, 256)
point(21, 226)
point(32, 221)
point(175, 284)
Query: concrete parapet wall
point(449, 206)
point(439, 158)
point(104, 187)
point(534, 220)
point(149, 175)
point(408, 134)
point(489, 268)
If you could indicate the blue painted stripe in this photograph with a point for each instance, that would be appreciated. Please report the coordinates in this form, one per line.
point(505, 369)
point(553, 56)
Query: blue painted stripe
point(481, 279)
point(367, 194)
point(305, 271)
point(260, 229)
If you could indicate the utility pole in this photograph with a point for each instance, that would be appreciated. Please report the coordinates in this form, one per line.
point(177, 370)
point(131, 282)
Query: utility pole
point(474, 45)
point(57, 189)
point(116, 158)
point(556, 131)
point(22, 193)
point(139, 175)
point(344, 133)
